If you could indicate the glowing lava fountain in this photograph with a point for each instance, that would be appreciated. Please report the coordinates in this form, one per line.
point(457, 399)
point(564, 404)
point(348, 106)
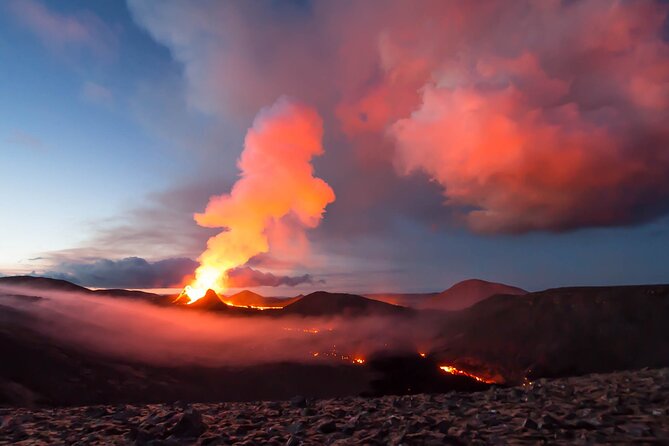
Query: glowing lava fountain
point(207, 279)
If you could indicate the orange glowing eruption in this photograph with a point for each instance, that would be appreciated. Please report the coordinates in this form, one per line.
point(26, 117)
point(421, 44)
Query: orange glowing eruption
point(205, 278)
point(455, 371)
point(275, 198)
point(253, 307)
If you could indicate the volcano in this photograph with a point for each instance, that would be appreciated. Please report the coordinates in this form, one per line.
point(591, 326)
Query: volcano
point(209, 302)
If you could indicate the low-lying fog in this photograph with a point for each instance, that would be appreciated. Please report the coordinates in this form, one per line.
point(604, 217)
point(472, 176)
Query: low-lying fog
point(141, 331)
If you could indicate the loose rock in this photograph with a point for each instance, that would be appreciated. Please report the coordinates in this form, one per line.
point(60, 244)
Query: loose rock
point(621, 408)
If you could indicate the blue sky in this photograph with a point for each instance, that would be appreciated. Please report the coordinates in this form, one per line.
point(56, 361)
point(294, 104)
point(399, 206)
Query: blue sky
point(112, 134)
point(67, 159)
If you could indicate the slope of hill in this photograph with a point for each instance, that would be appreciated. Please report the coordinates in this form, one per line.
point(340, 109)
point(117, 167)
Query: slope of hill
point(461, 295)
point(46, 283)
point(322, 303)
point(42, 283)
point(467, 293)
point(248, 298)
point(562, 331)
point(46, 371)
point(411, 300)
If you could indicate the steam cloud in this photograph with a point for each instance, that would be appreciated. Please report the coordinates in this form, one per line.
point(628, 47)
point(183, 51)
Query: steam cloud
point(277, 195)
point(529, 115)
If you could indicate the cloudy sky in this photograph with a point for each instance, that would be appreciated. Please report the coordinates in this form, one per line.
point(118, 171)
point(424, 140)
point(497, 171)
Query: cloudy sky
point(520, 142)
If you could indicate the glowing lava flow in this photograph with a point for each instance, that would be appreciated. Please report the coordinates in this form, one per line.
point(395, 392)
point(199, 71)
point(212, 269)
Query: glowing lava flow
point(253, 307)
point(454, 371)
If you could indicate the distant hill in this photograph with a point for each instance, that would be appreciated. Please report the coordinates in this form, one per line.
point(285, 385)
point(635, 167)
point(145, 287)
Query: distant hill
point(322, 303)
point(561, 331)
point(411, 300)
point(248, 298)
point(467, 293)
point(461, 295)
point(46, 283)
point(42, 283)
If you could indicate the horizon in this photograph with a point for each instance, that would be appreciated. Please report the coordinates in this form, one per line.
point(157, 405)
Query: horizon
point(273, 293)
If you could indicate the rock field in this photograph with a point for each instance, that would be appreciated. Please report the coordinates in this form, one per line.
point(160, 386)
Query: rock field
point(623, 408)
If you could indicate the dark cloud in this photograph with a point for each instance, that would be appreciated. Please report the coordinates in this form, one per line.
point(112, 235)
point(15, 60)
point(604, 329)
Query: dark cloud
point(131, 272)
point(245, 277)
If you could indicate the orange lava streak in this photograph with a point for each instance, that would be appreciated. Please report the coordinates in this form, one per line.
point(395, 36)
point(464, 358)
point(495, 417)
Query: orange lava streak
point(454, 371)
point(253, 307)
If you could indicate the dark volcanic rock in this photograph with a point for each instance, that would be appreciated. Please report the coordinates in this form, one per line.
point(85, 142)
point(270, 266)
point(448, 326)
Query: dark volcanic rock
point(618, 408)
point(188, 424)
point(298, 401)
point(327, 427)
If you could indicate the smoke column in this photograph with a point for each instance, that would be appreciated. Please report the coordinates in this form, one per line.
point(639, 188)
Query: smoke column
point(276, 189)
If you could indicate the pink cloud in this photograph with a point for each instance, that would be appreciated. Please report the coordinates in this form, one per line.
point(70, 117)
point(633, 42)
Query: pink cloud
point(58, 30)
point(529, 115)
point(96, 94)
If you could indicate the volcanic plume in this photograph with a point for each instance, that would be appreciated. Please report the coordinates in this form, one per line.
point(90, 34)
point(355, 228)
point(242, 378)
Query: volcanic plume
point(528, 115)
point(276, 197)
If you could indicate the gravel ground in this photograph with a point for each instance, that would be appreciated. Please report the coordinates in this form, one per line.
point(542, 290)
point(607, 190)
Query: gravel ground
point(623, 408)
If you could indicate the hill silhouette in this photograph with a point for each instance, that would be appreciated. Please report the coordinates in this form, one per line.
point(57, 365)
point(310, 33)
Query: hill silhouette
point(461, 295)
point(561, 331)
point(49, 284)
point(43, 283)
point(467, 293)
point(322, 303)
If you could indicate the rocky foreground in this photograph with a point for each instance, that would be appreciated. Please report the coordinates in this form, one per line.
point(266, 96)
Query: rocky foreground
point(623, 407)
